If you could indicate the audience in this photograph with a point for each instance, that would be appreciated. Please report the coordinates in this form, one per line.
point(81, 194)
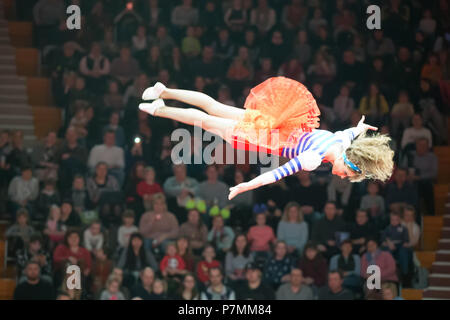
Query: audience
point(93, 173)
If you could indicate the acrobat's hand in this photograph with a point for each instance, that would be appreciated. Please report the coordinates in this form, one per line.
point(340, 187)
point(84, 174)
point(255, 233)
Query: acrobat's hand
point(364, 127)
point(242, 187)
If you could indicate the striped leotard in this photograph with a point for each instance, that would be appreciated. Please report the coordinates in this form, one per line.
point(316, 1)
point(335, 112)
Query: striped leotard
point(308, 150)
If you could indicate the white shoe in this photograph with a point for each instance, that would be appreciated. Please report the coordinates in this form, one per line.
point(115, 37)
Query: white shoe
point(154, 92)
point(151, 108)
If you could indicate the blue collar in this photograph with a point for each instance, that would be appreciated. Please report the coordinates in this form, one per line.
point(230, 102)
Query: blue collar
point(350, 164)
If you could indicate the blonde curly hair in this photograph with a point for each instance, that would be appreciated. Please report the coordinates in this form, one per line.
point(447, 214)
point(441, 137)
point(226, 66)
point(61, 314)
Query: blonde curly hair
point(373, 155)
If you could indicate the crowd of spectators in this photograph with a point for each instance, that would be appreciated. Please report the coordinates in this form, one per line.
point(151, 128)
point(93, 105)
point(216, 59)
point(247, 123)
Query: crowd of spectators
point(102, 192)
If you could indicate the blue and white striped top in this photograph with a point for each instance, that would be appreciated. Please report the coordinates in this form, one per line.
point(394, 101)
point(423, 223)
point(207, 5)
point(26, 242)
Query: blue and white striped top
point(309, 149)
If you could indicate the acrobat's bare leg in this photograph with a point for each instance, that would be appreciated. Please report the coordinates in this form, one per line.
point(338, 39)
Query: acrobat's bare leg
point(192, 117)
point(195, 98)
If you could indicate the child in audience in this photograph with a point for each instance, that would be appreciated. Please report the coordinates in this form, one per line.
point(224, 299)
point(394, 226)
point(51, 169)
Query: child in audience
point(373, 202)
point(80, 197)
point(48, 197)
point(126, 229)
point(93, 237)
point(20, 231)
point(112, 290)
point(159, 290)
point(172, 265)
point(55, 229)
point(409, 221)
point(147, 188)
point(209, 254)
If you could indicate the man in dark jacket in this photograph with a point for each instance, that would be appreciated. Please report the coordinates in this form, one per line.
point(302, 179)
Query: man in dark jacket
point(34, 288)
point(324, 231)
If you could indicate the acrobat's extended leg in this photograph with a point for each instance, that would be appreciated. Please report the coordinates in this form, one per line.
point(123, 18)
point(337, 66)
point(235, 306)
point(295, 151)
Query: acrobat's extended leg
point(190, 116)
point(195, 98)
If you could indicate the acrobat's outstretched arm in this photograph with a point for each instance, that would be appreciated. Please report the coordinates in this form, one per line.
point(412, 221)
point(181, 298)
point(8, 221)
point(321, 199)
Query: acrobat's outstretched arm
point(307, 161)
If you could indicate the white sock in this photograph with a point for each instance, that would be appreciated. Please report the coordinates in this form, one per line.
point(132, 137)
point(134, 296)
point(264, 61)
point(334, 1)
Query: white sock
point(154, 92)
point(151, 108)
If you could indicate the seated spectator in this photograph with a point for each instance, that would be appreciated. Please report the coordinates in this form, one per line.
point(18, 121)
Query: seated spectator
point(379, 45)
point(208, 262)
point(323, 69)
point(34, 288)
point(314, 267)
point(294, 14)
point(143, 289)
point(109, 46)
point(134, 259)
point(335, 289)
point(101, 268)
point(339, 192)
point(265, 71)
point(118, 130)
point(217, 290)
point(20, 232)
point(72, 158)
point(348, 265)
point(254, 288)
point(134, 91)
point(23, 190)
point(188, 289)
point(221, 236)
point(109, 154)
point(380, 258)
point(47, 197)
point(292, 229)
point(93, 237)
point(263, 17)
point(158, 226)
point(302, 49)
point(292, 69)
point(54, 227)
point(395, 239)
point(213, 191)
point(184, 15)
point(190, 45)
point(236, 260)
point(416, 131)
point(180, 186)
point(400, 192)
point(261, 236)
point(44, 158)
point(278, 268)
point(172, 265)
point(140, 42)
point(313, 197)
point(112, 100)
point(425, 166)
point(112, 290)
point(295, 289)
point(343, 106)
point(159, 290)
point(104, 194)
point(118, 273)
point(126, 229)
point(389, 291)
point(164, 41)
point(79, 196)
point(95, 67)
point(401, 114)
point(373, 202)
point(34, 251)
point(185, 252)
point(71, 253)
point(223, 46)
point(409, 221)
point(374, 106)
point(361, 230)
point(235, 17)
point(18, 157)
point(124, 68)
point(324, 231)
point(148, 187)
point(69, 218)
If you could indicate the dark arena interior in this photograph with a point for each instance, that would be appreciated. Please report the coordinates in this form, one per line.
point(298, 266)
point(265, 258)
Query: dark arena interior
point(93, 207)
